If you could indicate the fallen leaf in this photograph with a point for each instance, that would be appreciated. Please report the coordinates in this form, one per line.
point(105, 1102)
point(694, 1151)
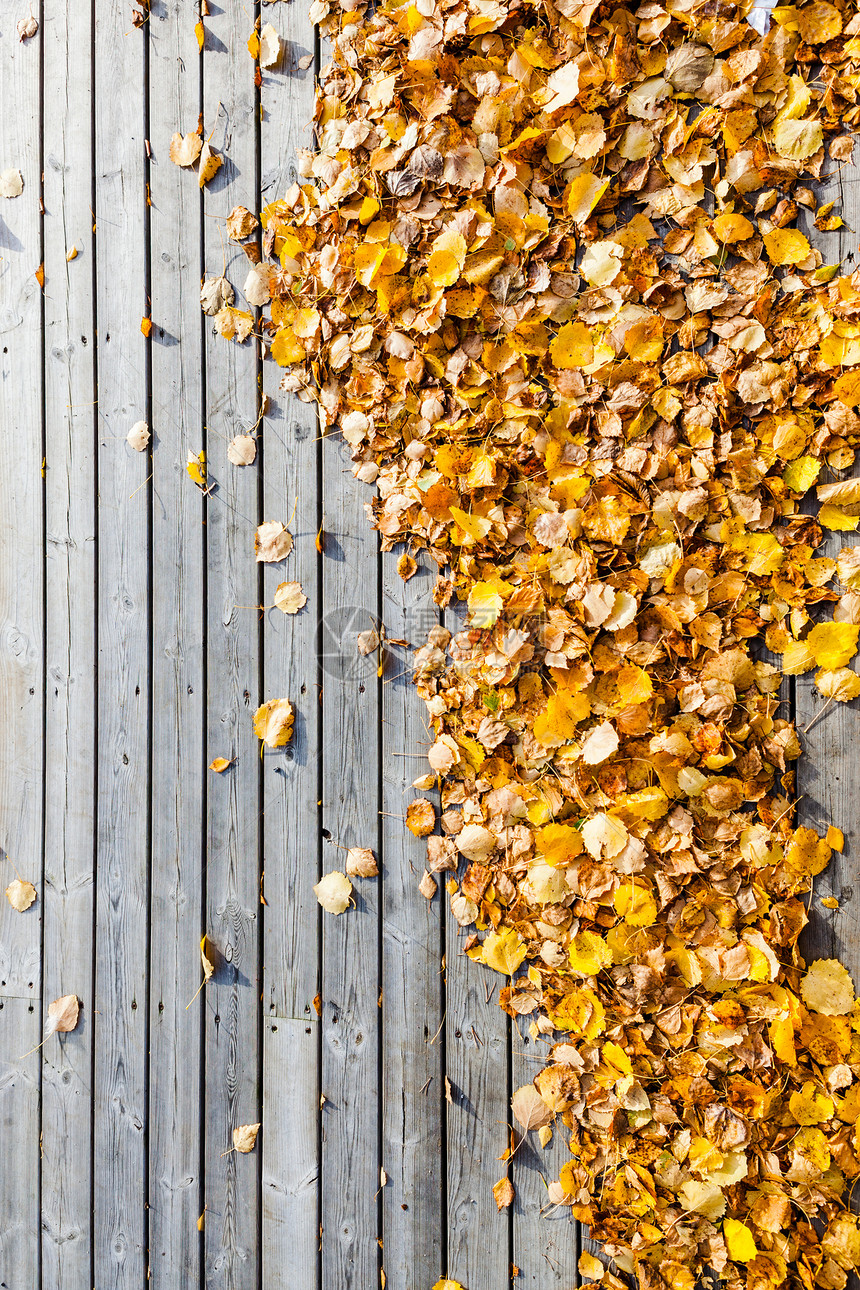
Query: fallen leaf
point(146, 326)
point(333, 892)
point(270, 46)
point(273, 722)
point(503, 1193)
point(220, 764)
point(11, 183)
point(196, 468)
point(185, 149)
point(138, 436)
point(245, 1137)
point(20, 894)
point(63, 1014)
point(210, 164)
point(273, 542)
point(827, 988)
point(241, 224)
point(215, 294)
point(427, 885)
point(27, 27)
point(361, 863)
point(289, 597)
point(242, 450)
point(207, 959)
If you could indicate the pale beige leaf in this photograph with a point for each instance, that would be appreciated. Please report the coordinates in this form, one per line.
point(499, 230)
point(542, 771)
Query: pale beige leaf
point(242, 450)
point(63, 1014)
point(289, 597)
point(185, 149)
point(138, 436)
point(273, 542)
point(245, 1137)
point(11, 183)
point(20, 894)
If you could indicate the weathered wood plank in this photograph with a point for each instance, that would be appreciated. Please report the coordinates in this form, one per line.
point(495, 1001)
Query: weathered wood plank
point(120, 1004)
point(290, 1231)
point(21, 660)
point(231, 1001)
point(19, 1125)
point(546, 1238)
point(412, 1047)
point(178, 678)
point(478, 1045)
point(291, 784)
point(70, 499)
point(828, 777)
point(351, 975)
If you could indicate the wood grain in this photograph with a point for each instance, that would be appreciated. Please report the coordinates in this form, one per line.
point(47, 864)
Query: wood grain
point(123, 739)
point(350, 967)
point(21, 661)
point(231, 1001)
point(828, 774)
point(178, 675)
point(289, 454)
point(413, 1075)
point(71, 644)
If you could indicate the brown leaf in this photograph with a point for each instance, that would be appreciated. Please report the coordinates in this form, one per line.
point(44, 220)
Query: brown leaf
point(361, 863)
point(503, 1193)
point(63, 1014)
point(185, 149)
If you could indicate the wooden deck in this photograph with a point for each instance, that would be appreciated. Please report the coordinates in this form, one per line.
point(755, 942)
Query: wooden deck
point(131, 654)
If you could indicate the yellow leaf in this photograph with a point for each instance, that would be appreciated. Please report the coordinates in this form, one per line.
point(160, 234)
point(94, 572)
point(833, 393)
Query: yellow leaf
point(835, 519)
point(581, 1012)
point(801, 474)
point(739, 1241)
point(733, 228)
point(786, 246)
point(588, 953)
point(200, 33)
point(559, 844)
point(485, 604)
point(572, 347)
point(273, 722)
point(196, 467)
point(833, 644)
point(827, 988)
point(583, 194)
point(635, 903)
point(504, 950)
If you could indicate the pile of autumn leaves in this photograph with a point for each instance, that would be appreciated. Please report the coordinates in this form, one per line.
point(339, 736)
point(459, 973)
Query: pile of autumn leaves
point(542, 273)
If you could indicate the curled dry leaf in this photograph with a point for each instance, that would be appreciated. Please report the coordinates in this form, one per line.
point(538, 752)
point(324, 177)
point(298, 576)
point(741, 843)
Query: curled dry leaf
point(503, 1193)
point(241, 223)
point(427, 885)
point(185, 149)
point(361, 863)
point(63, 1014)
point(215, 294)
point(367, 641)
point(196, 468)
point(270, 46)
point(138, 436)
point(272, 542)
point(234, 324)
point(27, 27)
point(242, 450)
point(289, 597)
point(210, 164)
point(20, 894)
point(333, 892)
point(273, 722)
point(245, 1137)
point(256, 288)
point(207, 959)
point(421, 817)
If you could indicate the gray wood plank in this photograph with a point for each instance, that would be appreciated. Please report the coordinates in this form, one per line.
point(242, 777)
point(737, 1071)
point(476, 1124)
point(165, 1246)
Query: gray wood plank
point(828, 774)
point(178, 768)
point(477, 1052)
point(21, 663)
point(478, 1065)
point(21, 520)
point(412, 1045)
point(546, 1238)
point(120, 1004)
point(290, 1231)
point(289, 454)
point(70, 498)
point(19, 1125)
point(351, 974)
point(231, 1001)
